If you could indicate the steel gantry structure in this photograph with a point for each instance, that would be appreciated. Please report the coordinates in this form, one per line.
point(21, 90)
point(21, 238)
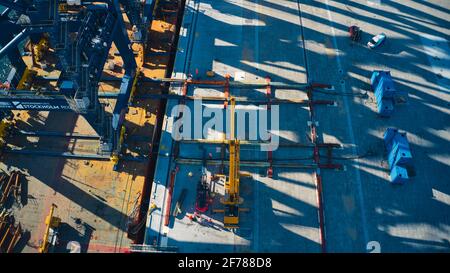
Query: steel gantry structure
point(80, 34)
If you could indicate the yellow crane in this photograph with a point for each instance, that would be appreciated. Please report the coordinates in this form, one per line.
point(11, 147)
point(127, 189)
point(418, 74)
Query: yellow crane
point(51, 231)
point(232, 199)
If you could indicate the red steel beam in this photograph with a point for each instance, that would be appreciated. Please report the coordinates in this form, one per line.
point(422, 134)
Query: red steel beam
point(169, 197)
point(206, 82)
point(226, 90)
point(321, 217)
point(317, 176)
point(268, 92)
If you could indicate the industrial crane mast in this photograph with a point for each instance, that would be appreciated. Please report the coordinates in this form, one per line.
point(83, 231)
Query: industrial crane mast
point(80, 34)
point(51, 232)
point(231, 199)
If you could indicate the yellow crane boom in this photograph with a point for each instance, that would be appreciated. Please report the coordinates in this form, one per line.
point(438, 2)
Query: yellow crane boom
point(52, 223)
point(232, 200)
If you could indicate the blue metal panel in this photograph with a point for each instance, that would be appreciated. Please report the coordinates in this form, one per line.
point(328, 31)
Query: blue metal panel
point(34, 103)
point(147, 17)
point(123, 44)
point(122, 102)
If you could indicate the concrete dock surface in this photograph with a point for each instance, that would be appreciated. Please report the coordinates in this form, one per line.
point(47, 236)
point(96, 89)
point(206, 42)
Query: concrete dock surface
point(307, 41)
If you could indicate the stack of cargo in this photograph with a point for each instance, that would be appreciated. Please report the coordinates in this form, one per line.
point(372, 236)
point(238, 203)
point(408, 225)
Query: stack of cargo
point(385, 92)
point(399, 155)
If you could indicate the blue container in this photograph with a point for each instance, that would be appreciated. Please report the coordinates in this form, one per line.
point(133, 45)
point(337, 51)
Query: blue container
point(386, 107)
point(399, 175)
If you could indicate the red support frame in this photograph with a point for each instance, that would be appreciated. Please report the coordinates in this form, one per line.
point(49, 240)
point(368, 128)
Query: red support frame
point(169, 197)
point(316, 154)
point(226, 90)
point(268, 92)
point(316, 157)
point(321, 217)
point(270, 160)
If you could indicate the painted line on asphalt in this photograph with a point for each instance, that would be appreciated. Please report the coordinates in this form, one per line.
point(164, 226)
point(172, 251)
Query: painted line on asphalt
point(350, 131)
